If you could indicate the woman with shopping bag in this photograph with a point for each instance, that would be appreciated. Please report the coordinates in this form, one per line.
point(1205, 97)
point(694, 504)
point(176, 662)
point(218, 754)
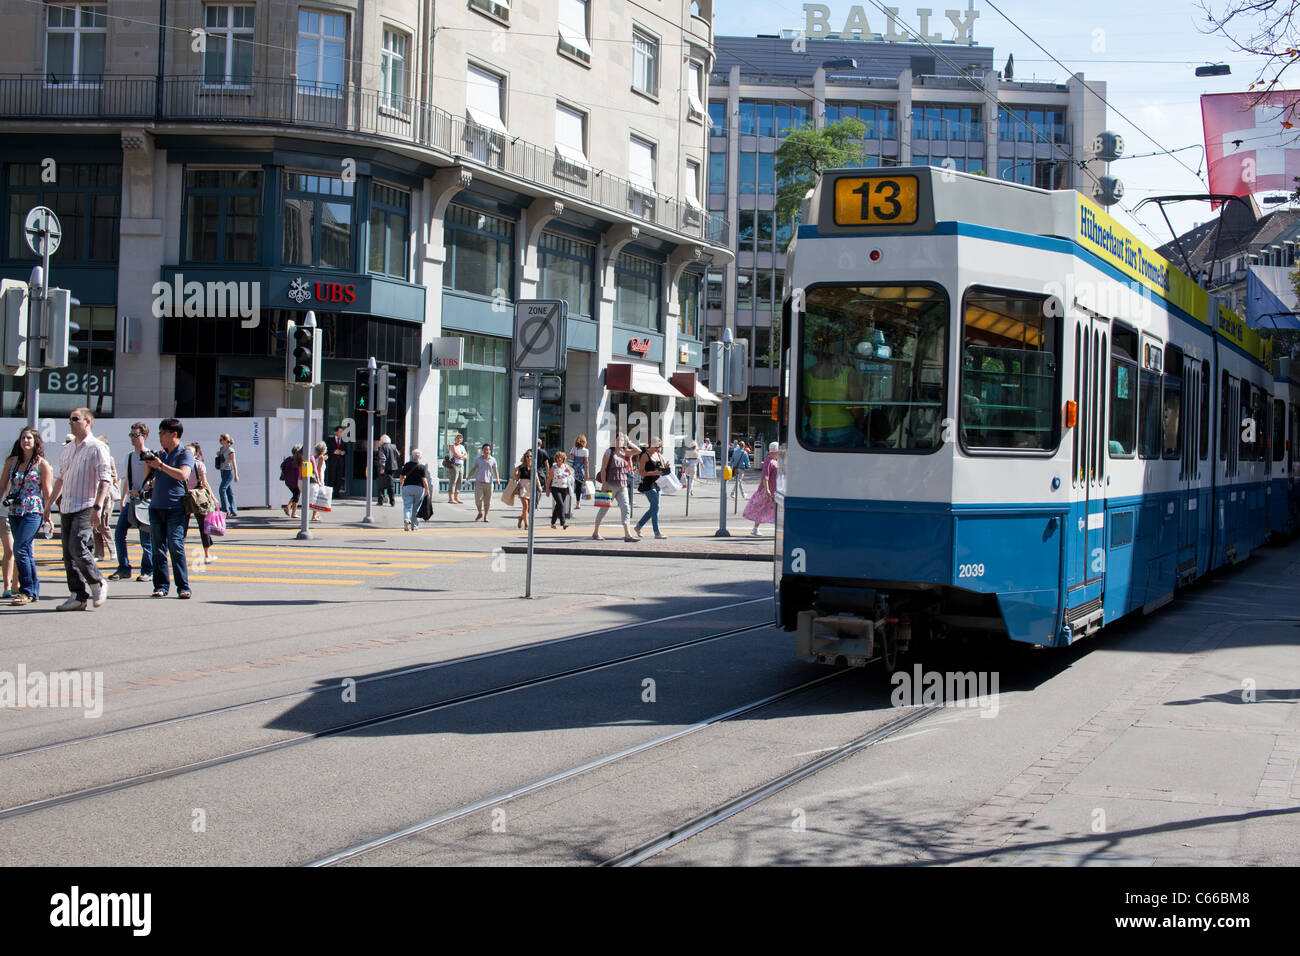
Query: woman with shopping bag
point(614, 469)
point(321, 495)
point(199, 479)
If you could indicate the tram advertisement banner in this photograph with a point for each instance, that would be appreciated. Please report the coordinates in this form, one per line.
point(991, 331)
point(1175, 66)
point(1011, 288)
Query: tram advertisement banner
point(1250, 141)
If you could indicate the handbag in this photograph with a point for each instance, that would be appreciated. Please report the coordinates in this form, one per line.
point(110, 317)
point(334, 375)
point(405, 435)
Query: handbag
point(198, 502)
point(140, 510)
point(426, 509)
point(604, 499)
point(322, 498)
point(215, 524)
point(669, 484)
point(508, 496)
point(588, 489)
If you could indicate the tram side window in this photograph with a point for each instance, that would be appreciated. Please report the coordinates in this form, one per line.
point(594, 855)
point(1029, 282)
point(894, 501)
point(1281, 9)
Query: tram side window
point(1172, 420)
point(1205, 410)
point(1123, 392)
point(871, 368)
point(1246, 424)
point(1010, 372)
point(1225, 428)
point(1149, 408)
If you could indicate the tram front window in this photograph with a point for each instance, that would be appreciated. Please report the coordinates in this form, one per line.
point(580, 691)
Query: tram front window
point(872, 368)
point(1009, 372)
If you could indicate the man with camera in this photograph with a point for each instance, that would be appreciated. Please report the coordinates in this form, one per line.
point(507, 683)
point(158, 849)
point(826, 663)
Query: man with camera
point(136, 488)
point(84, 481)
point(171, 469)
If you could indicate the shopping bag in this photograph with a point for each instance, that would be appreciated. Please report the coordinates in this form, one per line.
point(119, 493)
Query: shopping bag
point(426, 509)
point(508, 496)
point(668, 484)
point(322, 498)
point(588, 489)
point(604, 499)
point(215, 524)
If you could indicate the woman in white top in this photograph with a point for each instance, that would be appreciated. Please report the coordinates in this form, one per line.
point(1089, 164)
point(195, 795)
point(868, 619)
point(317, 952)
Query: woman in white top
point(318, 460)
point(559, 482)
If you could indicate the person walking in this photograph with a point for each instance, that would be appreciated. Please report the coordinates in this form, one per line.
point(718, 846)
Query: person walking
point(486, 478)
point(229, 469)
point(136, 486)
point(526, 486)
point(762, 506)
point(338, 454)
point(559, 484)
point(171, 468)
point(291, 475)
point(8, 574)
point(614, 470)
point(543, 460)
point(739, 462)
point(415, 485)
point(104, 533)
point(650, 465)
point(318, 459)
point(691, 466)
point(579, 455)
point(85, 472)
point(386, 463)
point(454, 464)
point(25, 487)
point(199, 479)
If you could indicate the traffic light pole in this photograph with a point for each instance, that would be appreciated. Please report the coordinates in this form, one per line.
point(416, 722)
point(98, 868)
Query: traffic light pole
point(304, 480)
point(724, 438)
point(533, 496)
point(34, 332)
point(370, 437)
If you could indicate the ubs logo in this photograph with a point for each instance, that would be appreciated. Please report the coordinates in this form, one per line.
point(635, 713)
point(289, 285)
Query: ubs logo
point(335, 292)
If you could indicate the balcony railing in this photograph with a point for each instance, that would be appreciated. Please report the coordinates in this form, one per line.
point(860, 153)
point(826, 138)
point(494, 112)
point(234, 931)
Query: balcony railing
point(349, 109)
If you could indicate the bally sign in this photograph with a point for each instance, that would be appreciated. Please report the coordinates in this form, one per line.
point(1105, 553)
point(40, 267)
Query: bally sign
point(639, 346)
point(818, 24)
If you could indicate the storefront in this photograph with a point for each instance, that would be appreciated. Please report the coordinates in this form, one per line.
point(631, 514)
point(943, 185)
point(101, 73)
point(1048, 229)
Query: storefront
point(637, 401)
point(475, 399)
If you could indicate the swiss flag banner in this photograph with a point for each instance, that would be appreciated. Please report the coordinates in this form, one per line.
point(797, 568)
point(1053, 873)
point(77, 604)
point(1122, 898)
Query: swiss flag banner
point(1251, 144)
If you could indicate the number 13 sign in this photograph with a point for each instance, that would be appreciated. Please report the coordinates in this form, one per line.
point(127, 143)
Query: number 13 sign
point(876, 201)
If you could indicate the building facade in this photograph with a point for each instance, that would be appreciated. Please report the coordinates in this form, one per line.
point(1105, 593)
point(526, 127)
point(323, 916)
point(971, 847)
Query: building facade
point(941, 104)
point(405, 170)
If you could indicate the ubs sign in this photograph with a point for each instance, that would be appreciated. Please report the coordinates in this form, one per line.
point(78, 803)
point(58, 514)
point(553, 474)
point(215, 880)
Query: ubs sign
point(817, 23)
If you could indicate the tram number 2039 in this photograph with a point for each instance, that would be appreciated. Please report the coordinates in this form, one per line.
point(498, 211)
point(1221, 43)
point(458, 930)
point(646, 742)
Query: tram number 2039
point(970, 571)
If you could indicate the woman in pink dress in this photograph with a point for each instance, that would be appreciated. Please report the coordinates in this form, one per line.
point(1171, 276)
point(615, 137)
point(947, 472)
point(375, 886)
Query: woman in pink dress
point(761, 508)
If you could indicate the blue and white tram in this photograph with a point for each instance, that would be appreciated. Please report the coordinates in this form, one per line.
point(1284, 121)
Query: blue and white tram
point(1284, 486)
point(1006, 416)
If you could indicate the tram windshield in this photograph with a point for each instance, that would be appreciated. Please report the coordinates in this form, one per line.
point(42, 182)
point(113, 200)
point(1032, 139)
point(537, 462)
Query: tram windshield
point(872, 368)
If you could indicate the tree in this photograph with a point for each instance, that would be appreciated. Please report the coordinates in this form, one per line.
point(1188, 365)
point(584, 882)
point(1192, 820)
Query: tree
point(1265, 28)
point(807, 152)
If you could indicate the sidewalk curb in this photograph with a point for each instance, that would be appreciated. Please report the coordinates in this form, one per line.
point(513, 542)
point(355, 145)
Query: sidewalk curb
point(588, 551)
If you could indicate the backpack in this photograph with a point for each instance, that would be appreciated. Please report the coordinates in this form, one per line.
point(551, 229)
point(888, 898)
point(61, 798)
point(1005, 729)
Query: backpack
point(287, 470)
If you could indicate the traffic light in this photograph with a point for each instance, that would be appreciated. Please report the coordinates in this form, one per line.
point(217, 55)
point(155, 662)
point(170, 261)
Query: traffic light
point(363, 390)
point(13, 326)
point(301, 355)
point(59, 329)
point(386, 393)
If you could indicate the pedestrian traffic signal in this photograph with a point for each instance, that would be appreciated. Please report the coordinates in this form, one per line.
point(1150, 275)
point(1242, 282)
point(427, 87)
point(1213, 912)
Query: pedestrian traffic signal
point(59, 329)
point(301, 355)
point(386, 391)
point(14, 312)
point(363, 389)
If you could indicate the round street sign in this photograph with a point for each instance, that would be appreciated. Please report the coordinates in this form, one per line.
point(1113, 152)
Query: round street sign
point(42, 226)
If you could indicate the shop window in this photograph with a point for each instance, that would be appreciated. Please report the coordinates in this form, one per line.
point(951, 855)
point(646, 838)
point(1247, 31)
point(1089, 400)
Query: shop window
point(317, 221)
point(88, 379)
point(568, 269)
point(87, 200)
point(390, 231)
point(637, 283)
point(223, 214)
point(480, 251)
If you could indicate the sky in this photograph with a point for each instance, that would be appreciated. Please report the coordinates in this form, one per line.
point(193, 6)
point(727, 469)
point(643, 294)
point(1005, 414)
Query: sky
point(1146, 51)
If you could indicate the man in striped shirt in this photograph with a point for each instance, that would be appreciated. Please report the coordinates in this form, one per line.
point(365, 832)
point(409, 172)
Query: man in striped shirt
point(84, 479)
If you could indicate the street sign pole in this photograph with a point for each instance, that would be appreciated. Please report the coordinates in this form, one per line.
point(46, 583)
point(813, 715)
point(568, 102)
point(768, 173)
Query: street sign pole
point(532, 495)
point(724, 436)
point(43, 233)
point(370, 437)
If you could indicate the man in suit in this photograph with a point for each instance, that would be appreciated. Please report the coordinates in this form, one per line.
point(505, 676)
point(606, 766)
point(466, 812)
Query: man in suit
point(338, 461)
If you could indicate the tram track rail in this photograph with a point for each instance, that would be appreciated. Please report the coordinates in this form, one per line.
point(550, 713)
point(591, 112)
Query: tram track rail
point(406, 713)
point(333, 688)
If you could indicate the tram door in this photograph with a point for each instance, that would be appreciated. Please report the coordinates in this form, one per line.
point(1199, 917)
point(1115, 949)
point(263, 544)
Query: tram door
point(1188, 470)
point(1086, 560)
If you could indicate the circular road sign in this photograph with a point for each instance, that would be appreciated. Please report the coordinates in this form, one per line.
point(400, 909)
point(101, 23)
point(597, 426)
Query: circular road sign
point(40, 227)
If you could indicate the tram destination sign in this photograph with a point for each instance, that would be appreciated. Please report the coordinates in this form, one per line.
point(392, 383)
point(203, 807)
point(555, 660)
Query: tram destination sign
point(876, 200)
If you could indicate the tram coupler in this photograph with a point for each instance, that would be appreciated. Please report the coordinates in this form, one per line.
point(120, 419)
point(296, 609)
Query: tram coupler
point(841, 640)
